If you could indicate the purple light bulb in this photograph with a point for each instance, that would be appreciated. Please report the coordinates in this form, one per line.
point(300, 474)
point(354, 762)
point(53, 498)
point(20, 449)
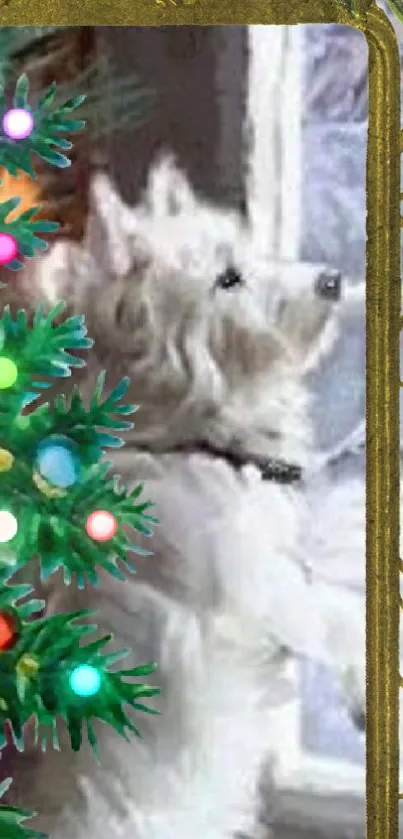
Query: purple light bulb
point(18, 123)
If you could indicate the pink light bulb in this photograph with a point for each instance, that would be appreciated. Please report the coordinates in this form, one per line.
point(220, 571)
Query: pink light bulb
point(8, 248)
point(18, 123)
point(101, 526)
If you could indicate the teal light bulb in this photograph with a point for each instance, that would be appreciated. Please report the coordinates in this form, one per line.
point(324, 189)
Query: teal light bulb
point(85, 680)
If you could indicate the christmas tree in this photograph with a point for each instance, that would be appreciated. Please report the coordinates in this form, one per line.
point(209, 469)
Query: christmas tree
point(57, 500)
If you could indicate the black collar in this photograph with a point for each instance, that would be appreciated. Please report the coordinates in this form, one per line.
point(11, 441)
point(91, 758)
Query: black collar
point(270, 468)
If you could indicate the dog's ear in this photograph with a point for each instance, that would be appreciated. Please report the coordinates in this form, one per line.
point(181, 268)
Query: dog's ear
point(60, 274)
point(70, 271)
point(168, 191)
point(111, 228)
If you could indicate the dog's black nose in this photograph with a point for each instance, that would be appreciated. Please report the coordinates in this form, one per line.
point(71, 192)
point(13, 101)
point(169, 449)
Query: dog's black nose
point(230, 278)
point(328, 285)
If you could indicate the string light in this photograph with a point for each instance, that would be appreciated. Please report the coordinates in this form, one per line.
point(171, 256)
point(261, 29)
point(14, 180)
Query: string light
point(8, 373)
point(46, 488)
point(18, 123)
point(101, 526)
point(85, 680)
point(6, 460)
point(8, 631)
point(8, 248)
point(57, 461)
point(8, 526)
point(27, 666)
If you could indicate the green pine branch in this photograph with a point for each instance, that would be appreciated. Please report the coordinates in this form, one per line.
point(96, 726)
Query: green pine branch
point(12, 595)
point(35, 677)
point(53, 528)
point(24, 230)
point(16, 156)
point(40, 354)
point(69, 417)
point(12, 818)
point(49, 123)
point(51, 521)
point(84, 427)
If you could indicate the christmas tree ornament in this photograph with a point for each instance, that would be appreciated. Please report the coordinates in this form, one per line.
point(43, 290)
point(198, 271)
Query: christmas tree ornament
point(8, 630)
point(8, 526)
point(6, 460)
point(18, 123)
point(101, 526)
point(27, 666)
point(8, 248)
point(57, 462)
point(46, 488)
point(8, 372)
point(85, 680)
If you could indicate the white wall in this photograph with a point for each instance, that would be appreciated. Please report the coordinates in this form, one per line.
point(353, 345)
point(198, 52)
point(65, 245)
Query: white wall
point(274, 137)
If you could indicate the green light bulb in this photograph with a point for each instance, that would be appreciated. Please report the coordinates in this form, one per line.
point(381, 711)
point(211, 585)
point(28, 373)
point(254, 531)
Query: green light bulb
point(8, 373)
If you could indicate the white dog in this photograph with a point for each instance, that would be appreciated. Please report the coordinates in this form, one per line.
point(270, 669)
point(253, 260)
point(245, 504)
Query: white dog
point(216, 340)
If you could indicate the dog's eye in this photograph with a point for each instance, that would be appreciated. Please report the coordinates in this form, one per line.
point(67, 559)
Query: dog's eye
point(230, 278)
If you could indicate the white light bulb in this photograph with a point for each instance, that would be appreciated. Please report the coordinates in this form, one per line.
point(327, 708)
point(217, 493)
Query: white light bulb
point(8, 526)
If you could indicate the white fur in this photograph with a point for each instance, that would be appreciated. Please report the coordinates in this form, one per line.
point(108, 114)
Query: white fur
point(226, 591)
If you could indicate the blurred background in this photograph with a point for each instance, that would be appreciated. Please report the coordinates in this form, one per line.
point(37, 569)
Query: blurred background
point(271, 121)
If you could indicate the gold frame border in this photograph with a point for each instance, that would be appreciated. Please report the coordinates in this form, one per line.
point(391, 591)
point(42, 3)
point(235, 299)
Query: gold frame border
point(382, 324)
point(383, 431)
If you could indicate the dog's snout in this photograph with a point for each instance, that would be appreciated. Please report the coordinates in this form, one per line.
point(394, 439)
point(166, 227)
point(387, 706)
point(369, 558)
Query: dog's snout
point(230, 278)
point(328, 285)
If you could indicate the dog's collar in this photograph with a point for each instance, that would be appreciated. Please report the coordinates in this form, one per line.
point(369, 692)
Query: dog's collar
point(271, 468)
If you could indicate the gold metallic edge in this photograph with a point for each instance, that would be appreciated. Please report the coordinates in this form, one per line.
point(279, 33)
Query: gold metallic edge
point(382, 439)
point(382, 323)
point(185, 12)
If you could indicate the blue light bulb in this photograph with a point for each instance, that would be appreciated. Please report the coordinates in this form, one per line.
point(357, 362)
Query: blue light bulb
point(57, 461)
point(85, 680)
